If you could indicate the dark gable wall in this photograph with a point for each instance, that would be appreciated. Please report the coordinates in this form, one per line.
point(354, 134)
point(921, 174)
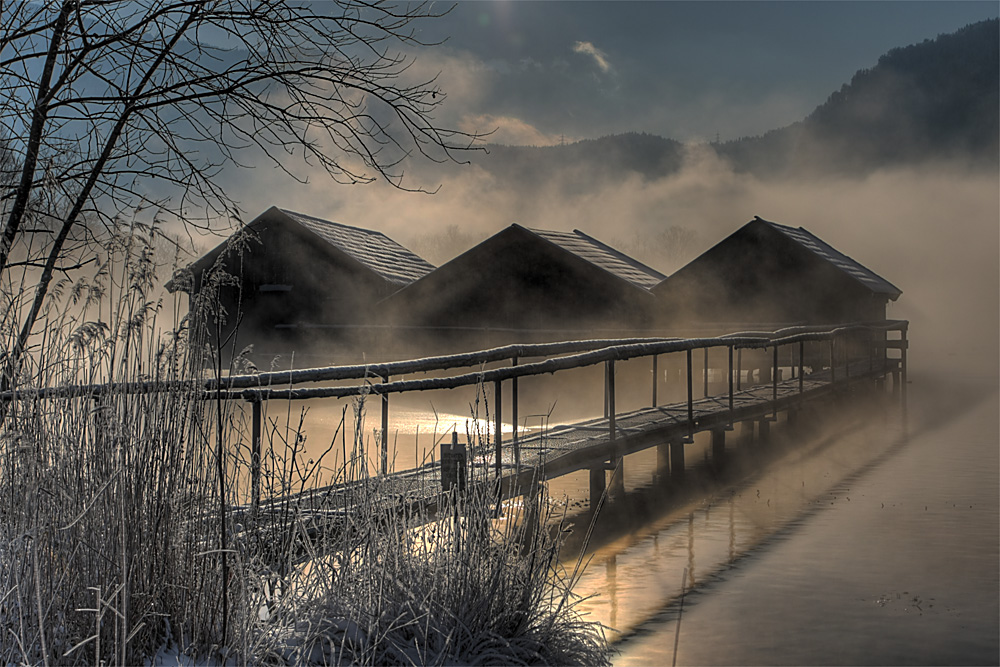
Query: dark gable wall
point(517, 280)
point(290, 276)
point(760, 275)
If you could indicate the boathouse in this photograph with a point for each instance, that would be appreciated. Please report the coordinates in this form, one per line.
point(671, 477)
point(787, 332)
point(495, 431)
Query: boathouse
point(766, 272)
point(528, 285)
point(296, 278)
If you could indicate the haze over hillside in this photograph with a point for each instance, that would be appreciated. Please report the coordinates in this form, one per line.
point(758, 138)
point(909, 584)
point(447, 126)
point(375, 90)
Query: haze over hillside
point(937, 100)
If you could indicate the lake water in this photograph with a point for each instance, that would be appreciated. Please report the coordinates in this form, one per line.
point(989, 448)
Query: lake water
point(871, 540)
point(875, 542)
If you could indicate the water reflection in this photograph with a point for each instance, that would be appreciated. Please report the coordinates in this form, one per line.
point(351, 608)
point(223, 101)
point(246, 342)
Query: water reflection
point(714, 523)
point(854, 532)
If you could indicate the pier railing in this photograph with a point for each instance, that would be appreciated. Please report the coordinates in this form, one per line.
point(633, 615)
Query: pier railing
point(847, 345)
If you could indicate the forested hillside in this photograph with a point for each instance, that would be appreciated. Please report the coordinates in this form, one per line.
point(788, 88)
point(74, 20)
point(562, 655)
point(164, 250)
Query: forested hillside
point(939, 99)
point(929, 101)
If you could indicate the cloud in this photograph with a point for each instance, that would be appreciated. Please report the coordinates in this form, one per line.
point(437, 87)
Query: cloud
point(600, 58)
point(508, 130)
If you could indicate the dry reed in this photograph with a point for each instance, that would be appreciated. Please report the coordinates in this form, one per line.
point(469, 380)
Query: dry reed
point(112, 544)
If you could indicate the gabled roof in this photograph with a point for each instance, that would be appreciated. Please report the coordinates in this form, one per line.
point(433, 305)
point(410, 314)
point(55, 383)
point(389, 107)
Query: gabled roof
point(858, 272)
point(374, 249)
point(603, 256)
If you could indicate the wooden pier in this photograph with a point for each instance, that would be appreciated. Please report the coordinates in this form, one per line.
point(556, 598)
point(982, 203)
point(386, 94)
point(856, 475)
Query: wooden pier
point(806, 365)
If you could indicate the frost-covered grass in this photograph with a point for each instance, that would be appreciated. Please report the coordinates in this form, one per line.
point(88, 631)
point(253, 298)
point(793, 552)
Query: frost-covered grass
point(470, 588)
point(112, 548)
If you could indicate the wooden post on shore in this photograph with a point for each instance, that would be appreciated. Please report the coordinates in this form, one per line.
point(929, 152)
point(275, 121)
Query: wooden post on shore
point(453, 464)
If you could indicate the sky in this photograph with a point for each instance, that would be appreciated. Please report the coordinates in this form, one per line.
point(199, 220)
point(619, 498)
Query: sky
point(544, 72)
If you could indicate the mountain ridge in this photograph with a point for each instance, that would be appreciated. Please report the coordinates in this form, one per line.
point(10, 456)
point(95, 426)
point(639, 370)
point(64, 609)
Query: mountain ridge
point(936, 100)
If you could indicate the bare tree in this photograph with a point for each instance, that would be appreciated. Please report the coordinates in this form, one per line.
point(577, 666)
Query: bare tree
point(114, 104)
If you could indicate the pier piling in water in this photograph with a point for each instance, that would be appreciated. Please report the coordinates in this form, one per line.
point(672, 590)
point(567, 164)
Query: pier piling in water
point(662, 460)
point(597, 486)
point(718, 445)
point(677, 460)
point(763, 430)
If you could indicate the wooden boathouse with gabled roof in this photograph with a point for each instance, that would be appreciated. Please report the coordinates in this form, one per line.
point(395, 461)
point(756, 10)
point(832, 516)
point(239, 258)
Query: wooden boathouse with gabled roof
point(300, 277)
point(528, 285)
point(773, 273)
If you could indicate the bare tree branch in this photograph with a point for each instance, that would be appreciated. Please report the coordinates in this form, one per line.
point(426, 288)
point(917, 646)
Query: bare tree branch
point(107, 105)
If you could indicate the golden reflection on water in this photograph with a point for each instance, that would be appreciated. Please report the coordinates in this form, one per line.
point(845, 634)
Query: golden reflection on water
point(643, 574)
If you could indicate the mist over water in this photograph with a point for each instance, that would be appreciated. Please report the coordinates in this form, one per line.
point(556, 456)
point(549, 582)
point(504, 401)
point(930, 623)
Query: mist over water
point(905, 571)
point(891, 560)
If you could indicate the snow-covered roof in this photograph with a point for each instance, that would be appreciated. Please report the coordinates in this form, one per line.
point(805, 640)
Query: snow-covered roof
point(855, 270)
point(374, 249)
point(604, 257)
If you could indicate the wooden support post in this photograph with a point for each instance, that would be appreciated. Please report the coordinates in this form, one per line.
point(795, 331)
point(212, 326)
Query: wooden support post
point(718, 445)
point(774, 382)
point(690, 389)
point(385, 429)
point(747, 431)
point(847, 357)
point(833, 363)
point(904, 343)
point(618, 473)
point(677, 460)
point(730, 384)
point(706, 373)
point(871, 351)
point(610, 371)
point(801, 354)
point(597, 486)
point(606, 391)
point(513, 419)
point(739, 369)
point(255, 438)
point(498, 426)
point(656, 378)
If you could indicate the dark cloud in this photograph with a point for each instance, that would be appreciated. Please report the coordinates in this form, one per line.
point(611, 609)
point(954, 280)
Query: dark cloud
point(685, 70)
